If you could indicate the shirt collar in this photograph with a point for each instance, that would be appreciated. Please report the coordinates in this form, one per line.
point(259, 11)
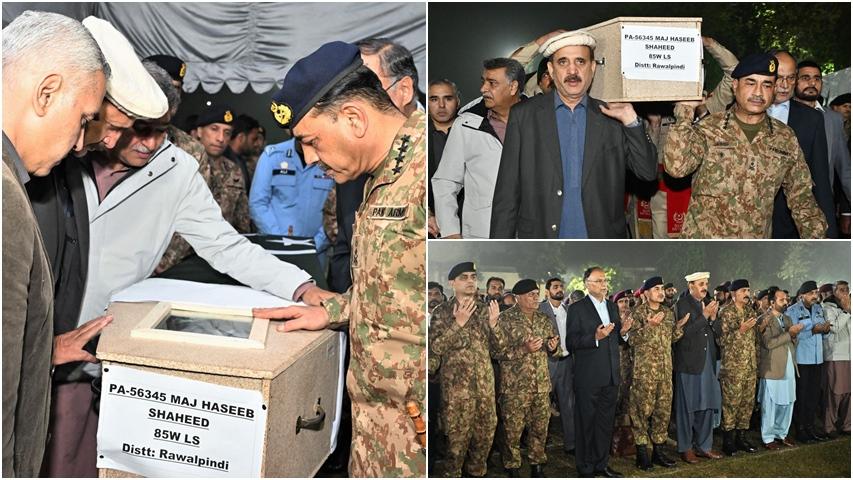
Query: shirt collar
point(596, 302)
point(558, 102)
point(23, 175)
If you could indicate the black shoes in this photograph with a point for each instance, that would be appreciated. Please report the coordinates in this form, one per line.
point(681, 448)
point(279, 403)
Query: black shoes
point(513, 473)
point(643, 462)
point(729, 447)
point(743, 444)
point(608, 473)
point(661, 459)
point(536, 471)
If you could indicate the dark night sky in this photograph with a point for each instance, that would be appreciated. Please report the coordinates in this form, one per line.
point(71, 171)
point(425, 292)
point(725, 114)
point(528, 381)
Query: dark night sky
point(462, 35)
point(825, 261)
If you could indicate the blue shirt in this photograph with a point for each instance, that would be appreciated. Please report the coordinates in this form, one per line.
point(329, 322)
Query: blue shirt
point(809, 345)
point(781, 111)
point(571, 131)
point(287, 197)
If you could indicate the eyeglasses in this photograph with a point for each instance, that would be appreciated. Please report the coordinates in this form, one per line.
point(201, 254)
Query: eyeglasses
point(603, 280)
point(394, 83)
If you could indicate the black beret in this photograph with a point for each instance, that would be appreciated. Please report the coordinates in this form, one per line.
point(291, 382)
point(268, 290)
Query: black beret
point(175, 67)
point(761, 294)
point(668, 286)
point(312, 77)
point(756, 63)
point(524, 286)
point(437, 285)
point(652, 283)
point(807, 286)
point(840, 100)
point(724, 287)
point(215, 115)
point(738, 284)
point(461, 268)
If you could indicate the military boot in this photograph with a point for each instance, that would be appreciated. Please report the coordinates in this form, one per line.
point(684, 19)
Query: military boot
point(643, 462)
point(743, 444)
point(536, 471)
point(660, 458)
point(513, 473)
point(729, 447)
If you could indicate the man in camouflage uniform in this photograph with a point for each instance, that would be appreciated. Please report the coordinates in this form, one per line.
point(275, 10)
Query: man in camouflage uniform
point(623, 420)
point(461, 334)
point(738, 369)
point(226, 177)
point(741, 158)
point(385, 305)
point(653, 332)
point(525, 336)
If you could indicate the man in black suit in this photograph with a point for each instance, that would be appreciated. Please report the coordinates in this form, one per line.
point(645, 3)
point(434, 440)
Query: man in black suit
point(807, 124)
point(562, 169)
point(591, 330)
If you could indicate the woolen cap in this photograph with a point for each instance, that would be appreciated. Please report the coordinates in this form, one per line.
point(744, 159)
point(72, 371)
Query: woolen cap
point(566, 39)
point(129, 87)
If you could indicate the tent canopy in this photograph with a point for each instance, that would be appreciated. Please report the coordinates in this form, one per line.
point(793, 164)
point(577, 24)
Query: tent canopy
point(247, 44)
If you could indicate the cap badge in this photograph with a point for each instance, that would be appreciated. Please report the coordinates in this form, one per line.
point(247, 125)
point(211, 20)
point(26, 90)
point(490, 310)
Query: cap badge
point(183, 70)
point(772, 67)
point(228, 117)
point(282, 113)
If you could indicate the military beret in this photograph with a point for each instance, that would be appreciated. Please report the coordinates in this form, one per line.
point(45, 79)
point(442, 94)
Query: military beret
point(215, 115)
point(697, 276)
point(807, 287)
point(461, 268)
point(130, 86)
point(312, 77)
point(652, 282)
point(761, 294)
point(175, 67)
point(668, 286)
point(840, 100)
point(756, 63)
point(724, 287)
point(525, 286)
point(738, 284)
point(621, 295)
point(826, 287)
point(437, 285)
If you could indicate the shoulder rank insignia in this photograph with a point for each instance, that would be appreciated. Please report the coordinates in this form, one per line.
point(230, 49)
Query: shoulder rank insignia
point(282, 113)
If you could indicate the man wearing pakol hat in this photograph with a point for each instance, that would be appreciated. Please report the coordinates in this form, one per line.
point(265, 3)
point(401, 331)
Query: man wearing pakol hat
point(572, 184)
point(462, 334)
point(738, 368)
point(653, 332)
point(594, 332)
point(742, 157)
point(60, 205)
point(227, 182)
point(809, 312)
point(48, 96)
point(343, 119)
point(697, 388)
point(777, 371)
point(525, 338)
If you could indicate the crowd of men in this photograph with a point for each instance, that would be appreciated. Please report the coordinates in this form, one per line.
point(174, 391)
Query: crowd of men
point(100, 189)
point(760, 157)
point(631, 371)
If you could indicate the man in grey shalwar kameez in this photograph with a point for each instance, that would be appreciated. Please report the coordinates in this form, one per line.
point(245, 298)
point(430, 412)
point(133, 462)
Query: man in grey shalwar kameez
point(697, 389)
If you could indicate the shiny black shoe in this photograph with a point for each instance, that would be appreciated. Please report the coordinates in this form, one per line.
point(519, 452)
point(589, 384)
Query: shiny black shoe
point(643, 462)
point(608, 473)
point(818, 436)
point(513, 473)
point(660, 458)
point(743, 444)
point(536, 471)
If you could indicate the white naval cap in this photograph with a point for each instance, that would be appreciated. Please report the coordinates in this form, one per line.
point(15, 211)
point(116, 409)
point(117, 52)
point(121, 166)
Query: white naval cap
point(697, 276)
point(129, 87)
point(577, 37)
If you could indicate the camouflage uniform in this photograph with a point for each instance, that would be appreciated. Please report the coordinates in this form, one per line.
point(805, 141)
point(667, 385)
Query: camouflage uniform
point(738, 369)
point(385, 308)
point(467, 385)
point(330, 216)
point(736, 181)
point(524, 383)
point(178, 248)
point(651, 390)
point(626, 365)
point(229, 189)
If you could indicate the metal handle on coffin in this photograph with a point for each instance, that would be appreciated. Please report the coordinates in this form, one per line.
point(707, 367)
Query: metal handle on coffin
point(313, 423)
